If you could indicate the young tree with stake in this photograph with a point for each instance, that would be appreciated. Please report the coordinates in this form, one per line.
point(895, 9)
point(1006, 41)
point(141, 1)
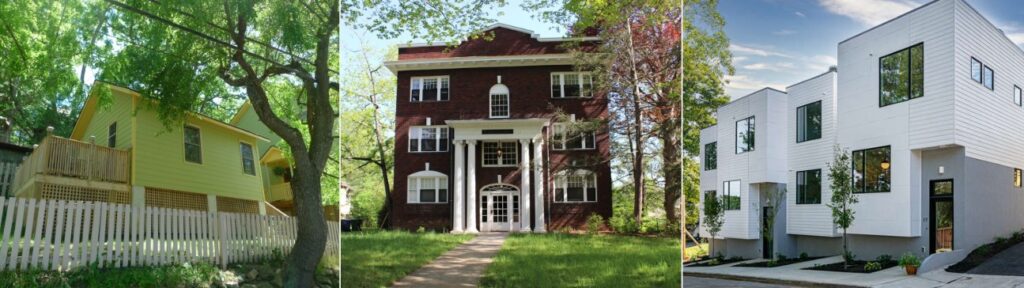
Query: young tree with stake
point(842, 196)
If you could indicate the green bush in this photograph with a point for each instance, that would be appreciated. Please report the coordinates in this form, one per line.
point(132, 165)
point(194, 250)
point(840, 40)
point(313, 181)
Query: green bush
point(594, 223)
point(780, 257)
point(803, 255)
point(848, 256)
point(872, 266)
point(884, 258)
point(623, 224)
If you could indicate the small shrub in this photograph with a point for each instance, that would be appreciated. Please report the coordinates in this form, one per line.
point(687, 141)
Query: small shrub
point(1001, 240)
point(564, 230)
point(848, 256)
point(772, 263)
point(421, 230)
point(909, 259)
point(803, 255)
point(1018, 235)
point(884, 258)
point(623, 224)
point(594, 223)
point(780, 257)
point(715, 261)
point(719, 256)
point(872, 266)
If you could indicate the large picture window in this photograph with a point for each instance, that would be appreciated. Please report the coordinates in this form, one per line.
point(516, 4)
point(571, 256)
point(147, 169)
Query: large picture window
point(577, 186)
point(424, 89)
point(571, 140)
point(193, 145)
point(808, 187)
point(901, 75)
point(745, 135)
point(731, 195)
point(427, 187)
point(711, 156)
point(808, 122)
point(499, 153)
point(428, 139)
point(871, 170)
point(572, 85)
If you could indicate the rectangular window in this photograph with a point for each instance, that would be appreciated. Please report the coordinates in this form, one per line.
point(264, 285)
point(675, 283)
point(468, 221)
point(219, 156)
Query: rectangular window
point(193, 145)
point(428, 190)
point(745, 135)
point(499, 106)
point(1016, 177)
point(499, 153)
point(428, 139)
point(571, 140)
point(576, 187)
point(428, 89)
point(711, 156)
point(572, 85)
point(808, 122)
point(988, 77)
point(248, 164)
point(975, 70)
point(112, 135)
point(808, 187)
point(901, 75)
point(1016, 95)
point(871, 170)
point(731, 195)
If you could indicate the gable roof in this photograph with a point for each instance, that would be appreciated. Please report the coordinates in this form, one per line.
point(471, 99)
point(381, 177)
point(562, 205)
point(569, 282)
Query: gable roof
point(241, 112)
point(506, 26)
point(89, 109)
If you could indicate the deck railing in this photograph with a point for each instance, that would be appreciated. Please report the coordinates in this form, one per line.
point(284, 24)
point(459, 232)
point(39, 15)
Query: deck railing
point(280, 191)
point(76, 159)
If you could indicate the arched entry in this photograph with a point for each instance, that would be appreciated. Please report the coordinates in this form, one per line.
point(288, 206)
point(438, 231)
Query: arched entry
point(499, 207)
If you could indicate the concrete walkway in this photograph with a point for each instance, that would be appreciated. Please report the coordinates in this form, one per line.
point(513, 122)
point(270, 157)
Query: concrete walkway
point(459, 267)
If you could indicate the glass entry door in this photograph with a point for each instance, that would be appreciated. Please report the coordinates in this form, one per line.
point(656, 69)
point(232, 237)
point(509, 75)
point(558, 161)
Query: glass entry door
point(941, 216)
point(499, 208)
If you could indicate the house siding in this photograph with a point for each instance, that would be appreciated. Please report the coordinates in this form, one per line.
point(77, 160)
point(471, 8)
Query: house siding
point(811, 219)
point(118, 109)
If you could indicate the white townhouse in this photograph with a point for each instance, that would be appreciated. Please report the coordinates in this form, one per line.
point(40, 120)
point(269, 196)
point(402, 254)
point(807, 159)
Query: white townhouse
point(929, 106)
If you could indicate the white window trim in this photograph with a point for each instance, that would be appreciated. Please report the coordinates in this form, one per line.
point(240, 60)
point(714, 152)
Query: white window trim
point(515, 157)
point(560, 144)
point(562, 181)
point(561, 84)
point(416, 180)
point(438, 139)
point(490, 106)
point(437, 92)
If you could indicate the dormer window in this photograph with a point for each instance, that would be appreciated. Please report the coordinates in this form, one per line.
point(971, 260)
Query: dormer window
point(572, 85)
point(499, 100)
point(428, 89)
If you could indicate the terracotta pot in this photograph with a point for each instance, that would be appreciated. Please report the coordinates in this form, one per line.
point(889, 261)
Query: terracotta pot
point(911, 269)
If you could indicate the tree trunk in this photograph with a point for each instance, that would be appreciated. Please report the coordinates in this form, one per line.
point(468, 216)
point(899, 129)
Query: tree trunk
point(672, 168)
point(311, 238)
point(638, 157)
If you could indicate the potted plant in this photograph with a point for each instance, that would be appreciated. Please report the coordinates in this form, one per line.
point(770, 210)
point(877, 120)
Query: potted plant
point(910, 262)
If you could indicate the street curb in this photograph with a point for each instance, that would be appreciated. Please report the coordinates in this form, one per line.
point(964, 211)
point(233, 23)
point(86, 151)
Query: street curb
point(767, 280)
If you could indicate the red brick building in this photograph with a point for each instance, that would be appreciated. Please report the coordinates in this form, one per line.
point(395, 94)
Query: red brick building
point(479, 146)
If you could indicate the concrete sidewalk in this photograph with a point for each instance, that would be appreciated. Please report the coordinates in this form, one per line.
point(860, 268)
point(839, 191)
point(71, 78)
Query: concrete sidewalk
point(892, 277)
point(459, 267)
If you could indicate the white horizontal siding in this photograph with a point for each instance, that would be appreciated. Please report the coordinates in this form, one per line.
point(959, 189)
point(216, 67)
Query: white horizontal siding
point(811, 219)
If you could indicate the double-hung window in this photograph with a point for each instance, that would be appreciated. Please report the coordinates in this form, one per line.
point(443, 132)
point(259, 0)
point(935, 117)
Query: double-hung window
point(745, 135)
point(572, 85)
point(248, 162)
point(731, 195)
point(565, 139)
point(499, 154)
point(578, 186)
point(901, 75)
point(871, 170)
point(428, 189)
point(112, 135)
point(428, 139)
point(711, 156)
point(499, 105)
point(193, 145)
point(808, 122)
point(808, 187)
point(426, 89)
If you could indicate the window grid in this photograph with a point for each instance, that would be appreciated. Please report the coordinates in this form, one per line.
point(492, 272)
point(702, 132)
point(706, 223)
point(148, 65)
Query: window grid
point(577, 187)
point(193, 145)
point(248, 163)
point(427, 189)
point(499, 106)
point(428, 139)
point(429, 89)
point(506, 157)
point(562, 141)
point(572, 85)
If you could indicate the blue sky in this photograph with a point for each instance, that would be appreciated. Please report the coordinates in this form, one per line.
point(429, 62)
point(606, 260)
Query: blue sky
point(776, 43)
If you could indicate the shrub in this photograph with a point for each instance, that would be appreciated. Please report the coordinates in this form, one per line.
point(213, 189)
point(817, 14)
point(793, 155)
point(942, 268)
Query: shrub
point(623, 224)
point(780, 257)
point(884, 258)
point(803, 255)
point(848, 256)
point(714, 261)
point(909, 259)
point(872, 266)
point(594, 223)
point(421, 230)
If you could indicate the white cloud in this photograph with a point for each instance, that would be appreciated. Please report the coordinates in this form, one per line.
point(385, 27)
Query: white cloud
point(740, 85)
point(870, 12)
point(1017, 38)
point(820, 63)
point(738, 59)
point(784, 32)
point(739, 49)
point(801, 14)
point(778, 67)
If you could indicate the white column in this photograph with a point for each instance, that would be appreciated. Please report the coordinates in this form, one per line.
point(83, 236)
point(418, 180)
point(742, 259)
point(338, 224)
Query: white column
point(471, 189)
point(459, 204)
point(524, 187)
point(539, 185)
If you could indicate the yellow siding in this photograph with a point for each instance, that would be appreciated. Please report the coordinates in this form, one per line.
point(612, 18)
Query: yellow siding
point(119, 109)
point(160, 159)
point(250, 122)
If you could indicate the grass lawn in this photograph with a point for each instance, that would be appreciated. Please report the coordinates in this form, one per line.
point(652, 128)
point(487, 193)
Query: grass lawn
point(564, 260)
point(377, 258)
point(697, 251)
point(161, 276)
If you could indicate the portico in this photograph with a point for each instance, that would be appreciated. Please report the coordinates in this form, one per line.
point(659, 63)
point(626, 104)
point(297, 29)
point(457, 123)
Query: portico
point(503, 143)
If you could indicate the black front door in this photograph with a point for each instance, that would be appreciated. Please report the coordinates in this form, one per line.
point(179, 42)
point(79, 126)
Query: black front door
point(941, 215)
point(766, 243)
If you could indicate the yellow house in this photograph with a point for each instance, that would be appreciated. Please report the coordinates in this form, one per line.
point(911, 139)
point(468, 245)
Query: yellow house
point(275, 166)
point(120, 151)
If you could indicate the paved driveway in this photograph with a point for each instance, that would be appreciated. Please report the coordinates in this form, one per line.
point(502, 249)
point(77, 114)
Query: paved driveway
point(1010, 262)
point(700, 282)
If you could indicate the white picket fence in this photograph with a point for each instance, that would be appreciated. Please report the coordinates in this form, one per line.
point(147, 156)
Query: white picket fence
point(62, 235)
point(7, 170)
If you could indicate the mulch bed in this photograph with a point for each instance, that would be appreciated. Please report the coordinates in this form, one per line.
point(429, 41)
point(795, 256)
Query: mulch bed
point(981, 254)
point(856, 267)
point(720, 262)
point(777, 263)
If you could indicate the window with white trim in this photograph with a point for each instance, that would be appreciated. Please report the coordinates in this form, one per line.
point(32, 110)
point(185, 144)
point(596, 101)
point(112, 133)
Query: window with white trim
point(428, 139)
point(427, 89)
point(499, 153)
point(499, 106)
point(578, 186)
point(571, 140)
point(428, 189)
point(572, 85)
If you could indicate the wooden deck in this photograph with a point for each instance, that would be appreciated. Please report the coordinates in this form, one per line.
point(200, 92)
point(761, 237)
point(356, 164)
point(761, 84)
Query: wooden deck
point(73, 163)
